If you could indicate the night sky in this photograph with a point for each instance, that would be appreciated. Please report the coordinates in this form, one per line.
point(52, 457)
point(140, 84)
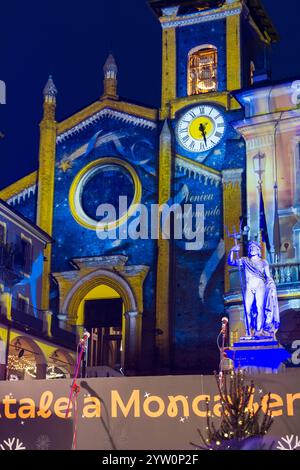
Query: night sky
point(71, 40)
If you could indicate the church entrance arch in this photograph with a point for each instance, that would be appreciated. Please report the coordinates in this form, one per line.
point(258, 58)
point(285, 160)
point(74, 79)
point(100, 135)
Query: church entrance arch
point(104, 303)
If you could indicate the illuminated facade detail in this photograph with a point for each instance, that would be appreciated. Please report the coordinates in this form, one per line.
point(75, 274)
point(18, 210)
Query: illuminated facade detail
point(29, 358)
point(196, 170)
point(202, 70)
point(228, 102)
point(296, 189)
point(20, 189)
point(163, 291)
point(22, 317)
point(121, 116)
point(201, 17)
point(26, 193)
point(172, 298)
point(232, 204)
point(169, 76)
point(200, 129)
point(65, 165)
point(271, 126)
point(221, 35)
point(44, 216)
point(127, 281)
point(85, 176)
point(170, 11)
point(233, 54)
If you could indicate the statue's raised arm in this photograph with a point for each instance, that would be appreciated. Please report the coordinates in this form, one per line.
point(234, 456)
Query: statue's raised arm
point(232, 261)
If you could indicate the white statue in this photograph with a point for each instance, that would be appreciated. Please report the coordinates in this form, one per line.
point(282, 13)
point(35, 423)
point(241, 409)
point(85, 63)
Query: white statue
point(259, 294)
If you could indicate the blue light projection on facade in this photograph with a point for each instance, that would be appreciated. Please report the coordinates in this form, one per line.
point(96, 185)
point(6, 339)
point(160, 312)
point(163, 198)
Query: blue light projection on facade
point(105, 186)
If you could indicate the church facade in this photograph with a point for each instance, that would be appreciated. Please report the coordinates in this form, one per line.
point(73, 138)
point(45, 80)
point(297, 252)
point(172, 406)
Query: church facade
point(154, 304)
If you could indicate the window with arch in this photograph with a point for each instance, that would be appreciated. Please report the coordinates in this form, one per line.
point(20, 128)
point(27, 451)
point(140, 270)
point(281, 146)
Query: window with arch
point(202, 70)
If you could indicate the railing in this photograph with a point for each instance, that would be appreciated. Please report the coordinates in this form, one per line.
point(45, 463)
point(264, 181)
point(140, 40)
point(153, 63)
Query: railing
point(27, 309)
point(282, 273)
point(28, 315)
point(285, 273)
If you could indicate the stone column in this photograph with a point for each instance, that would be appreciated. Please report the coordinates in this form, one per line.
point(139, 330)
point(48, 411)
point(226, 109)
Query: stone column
point(132, 342)
point(41, 370)
point(47, 320)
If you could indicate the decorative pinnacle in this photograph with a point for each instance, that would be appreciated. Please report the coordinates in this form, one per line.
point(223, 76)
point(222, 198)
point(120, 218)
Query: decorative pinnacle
point(50, 89)
point(110, 67)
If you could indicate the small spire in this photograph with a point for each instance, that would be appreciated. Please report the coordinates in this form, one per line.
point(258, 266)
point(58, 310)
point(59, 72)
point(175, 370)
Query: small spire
point(49, 93)
point(110, 67)
point(50, 89)
point(110, 70)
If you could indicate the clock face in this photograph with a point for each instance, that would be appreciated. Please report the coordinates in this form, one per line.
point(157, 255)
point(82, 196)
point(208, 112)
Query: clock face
point(201, 128)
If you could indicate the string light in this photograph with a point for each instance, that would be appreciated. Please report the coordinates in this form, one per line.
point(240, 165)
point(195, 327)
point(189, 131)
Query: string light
point(29, 367)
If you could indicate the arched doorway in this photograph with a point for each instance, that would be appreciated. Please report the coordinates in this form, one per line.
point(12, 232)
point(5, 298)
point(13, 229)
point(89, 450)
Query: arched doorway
point(26, 360)
point(126, 283)
point(101, 313)
point(60, 365)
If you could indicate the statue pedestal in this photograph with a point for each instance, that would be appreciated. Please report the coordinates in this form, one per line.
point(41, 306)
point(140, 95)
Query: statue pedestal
point(259, 355)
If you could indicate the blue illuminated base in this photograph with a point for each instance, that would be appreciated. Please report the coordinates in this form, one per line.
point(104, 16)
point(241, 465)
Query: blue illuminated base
point(258, 355)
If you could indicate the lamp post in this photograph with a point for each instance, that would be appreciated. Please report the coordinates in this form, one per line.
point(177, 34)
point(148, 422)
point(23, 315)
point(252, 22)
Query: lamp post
point(259, 165)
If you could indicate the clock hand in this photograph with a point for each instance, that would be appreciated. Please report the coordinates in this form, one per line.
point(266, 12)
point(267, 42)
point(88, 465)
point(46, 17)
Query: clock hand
point(202, 130)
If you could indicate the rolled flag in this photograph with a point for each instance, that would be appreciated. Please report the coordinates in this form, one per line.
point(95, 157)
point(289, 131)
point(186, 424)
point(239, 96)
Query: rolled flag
point(263, 229)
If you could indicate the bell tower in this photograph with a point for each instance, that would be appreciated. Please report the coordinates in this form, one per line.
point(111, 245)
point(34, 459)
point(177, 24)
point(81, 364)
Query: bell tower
point(211, 46)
